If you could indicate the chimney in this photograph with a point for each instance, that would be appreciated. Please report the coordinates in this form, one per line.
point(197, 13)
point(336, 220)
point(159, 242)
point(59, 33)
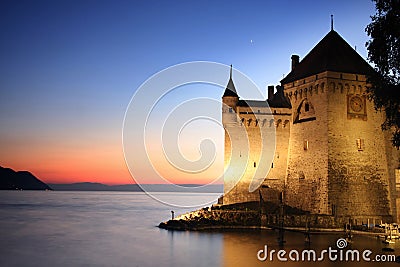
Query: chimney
point(295, 61)
point(270, 92)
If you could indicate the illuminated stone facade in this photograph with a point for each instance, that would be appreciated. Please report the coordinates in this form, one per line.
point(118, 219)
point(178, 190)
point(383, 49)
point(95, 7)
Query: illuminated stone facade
point(331, 155)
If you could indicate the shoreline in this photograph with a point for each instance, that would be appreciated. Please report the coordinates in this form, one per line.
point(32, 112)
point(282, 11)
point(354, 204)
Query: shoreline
point(314, 231)
point(217, 219)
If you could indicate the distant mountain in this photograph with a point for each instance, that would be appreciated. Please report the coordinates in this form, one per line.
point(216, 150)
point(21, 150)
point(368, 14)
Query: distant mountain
point(86, 186)
point(21, 180)
point(136, 188)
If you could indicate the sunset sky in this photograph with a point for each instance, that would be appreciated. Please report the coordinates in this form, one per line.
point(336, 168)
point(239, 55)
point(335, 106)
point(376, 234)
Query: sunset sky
point(69, 69)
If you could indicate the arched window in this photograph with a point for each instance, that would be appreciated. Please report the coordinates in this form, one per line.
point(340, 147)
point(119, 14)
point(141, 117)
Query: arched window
point(304, 112)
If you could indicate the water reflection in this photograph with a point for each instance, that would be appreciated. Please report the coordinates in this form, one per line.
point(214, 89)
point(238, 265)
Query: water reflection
point(192, 249)
point(118, 229)
point(240, 249)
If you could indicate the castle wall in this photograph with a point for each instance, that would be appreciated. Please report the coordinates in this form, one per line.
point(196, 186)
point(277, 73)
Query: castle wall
point(241, 154)
point(359, 182)
point(393, 160)
point(333, 175)
point(307, 172)
point(277, 175)
point(251, 154)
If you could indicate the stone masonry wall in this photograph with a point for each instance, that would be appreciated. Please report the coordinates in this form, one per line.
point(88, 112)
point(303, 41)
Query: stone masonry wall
point(250, 143)
point(358, 170)
point(307, 171)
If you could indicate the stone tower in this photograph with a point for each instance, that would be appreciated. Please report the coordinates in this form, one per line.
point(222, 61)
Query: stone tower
point(331, 155)
point(340, 162)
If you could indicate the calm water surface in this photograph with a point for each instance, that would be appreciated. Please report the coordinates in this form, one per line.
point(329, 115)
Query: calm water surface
point(119, 229)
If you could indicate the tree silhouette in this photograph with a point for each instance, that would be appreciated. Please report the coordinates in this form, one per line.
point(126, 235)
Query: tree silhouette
point(384, 53)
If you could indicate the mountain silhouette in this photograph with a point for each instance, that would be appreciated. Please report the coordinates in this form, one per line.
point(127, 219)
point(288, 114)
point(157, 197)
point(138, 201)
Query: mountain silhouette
point(21, 180)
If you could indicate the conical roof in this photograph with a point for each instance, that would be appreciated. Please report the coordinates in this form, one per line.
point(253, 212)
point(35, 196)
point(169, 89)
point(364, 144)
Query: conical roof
point(332, 53)
point(230, 88)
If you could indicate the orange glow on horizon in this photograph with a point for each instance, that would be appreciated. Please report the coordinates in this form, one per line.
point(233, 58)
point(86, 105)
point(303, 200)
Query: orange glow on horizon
point(90, 162)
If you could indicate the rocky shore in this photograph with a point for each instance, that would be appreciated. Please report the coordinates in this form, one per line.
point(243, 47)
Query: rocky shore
point(208, 218)
point(249, 215)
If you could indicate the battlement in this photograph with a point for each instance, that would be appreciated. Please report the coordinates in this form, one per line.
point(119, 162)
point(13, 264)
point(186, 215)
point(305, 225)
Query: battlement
point(329, 81)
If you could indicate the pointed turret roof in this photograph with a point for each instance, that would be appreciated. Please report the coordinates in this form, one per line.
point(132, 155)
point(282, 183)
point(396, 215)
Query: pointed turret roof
point(332, 53)
point(230, 88)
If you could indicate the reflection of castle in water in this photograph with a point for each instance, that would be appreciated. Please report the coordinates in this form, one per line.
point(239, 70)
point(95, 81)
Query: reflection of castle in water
point(331, 155)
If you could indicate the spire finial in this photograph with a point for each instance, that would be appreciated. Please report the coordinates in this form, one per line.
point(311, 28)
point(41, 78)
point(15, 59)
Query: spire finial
point(331, 22)
point(231, 72)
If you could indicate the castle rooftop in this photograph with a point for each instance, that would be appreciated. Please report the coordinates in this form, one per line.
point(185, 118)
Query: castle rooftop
point(332, 53)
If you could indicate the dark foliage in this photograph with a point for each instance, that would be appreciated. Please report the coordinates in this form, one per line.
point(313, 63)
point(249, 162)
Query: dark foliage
point(384, 53)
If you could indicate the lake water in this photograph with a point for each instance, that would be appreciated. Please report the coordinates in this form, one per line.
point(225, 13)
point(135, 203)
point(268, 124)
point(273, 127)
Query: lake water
point(119, 229)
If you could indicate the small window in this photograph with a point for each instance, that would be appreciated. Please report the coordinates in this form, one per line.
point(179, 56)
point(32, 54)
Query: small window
point(360, 144)
point(272, 165)
point(255, 165)
point(307, 107)
point(305, 144)
point(230, 110)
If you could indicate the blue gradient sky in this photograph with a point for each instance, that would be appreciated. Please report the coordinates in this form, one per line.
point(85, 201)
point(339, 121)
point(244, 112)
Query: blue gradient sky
point(69, 68)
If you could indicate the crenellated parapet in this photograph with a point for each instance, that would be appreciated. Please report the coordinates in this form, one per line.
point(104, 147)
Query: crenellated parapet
point(326, 82)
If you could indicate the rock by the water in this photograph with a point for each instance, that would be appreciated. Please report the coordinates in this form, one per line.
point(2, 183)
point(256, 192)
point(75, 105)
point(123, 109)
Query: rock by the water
point(210, 219)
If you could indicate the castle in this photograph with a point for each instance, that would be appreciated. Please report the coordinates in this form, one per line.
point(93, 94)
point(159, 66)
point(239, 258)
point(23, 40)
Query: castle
point(331, 156)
